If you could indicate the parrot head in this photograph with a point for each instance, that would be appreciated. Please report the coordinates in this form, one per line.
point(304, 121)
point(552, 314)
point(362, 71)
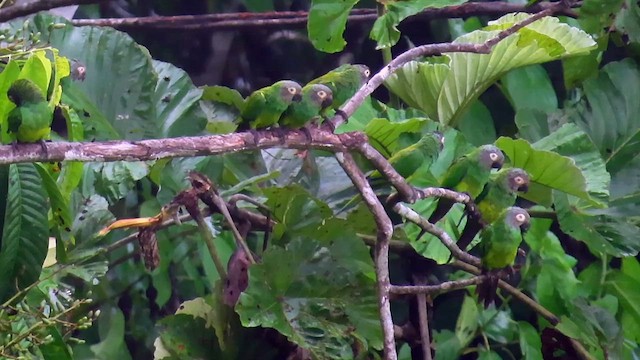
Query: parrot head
point(440, 137)
point(290, 91)
point(320, 95)
point(491, 157)
point(518, 217)
point(364, 72)
point(518, 180)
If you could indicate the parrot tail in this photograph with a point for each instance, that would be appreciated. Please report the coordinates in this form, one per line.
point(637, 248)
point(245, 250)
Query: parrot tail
point(443, 207)
point(486, 290)
point(472, 228)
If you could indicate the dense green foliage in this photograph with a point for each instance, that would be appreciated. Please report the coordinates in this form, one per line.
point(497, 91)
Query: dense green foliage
point(572, 124)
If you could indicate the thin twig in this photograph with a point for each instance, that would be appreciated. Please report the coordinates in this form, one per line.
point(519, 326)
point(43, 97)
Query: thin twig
point(428, 50)
point(423, 318)
point(425, 225)
point(298, 19)
point(436, 289)
point(548, 315)
point(385, 231)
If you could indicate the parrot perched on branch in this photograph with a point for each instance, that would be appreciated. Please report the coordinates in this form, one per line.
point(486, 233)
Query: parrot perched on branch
point(406, 161)
point(30, 120)
point(343, 81)
point(315, 98)
point(468, 174)
point(264, 107)
point(500, 192)
point(499, 246)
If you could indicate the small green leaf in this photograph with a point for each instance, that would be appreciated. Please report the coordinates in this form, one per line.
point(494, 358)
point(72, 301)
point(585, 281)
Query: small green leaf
point(467, 323)
point(447, 344)
point(488, 355)
point(327, 19)
point(385, 31)
point(111, 327)
point(628, 20)
point(530, 343)
point(627, 289)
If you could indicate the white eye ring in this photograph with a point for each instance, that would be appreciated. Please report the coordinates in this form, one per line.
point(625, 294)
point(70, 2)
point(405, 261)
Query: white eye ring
point(519, 180)
point(493, 156)
point(291, 90)
point(367, 72)
point(521, 218)
point(322, 94)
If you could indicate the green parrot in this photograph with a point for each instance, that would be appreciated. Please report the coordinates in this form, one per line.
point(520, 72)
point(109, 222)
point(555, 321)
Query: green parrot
point(407, 160)
point(500, 192)
point(468, 174)
point(343, 81)
point(499, 246)
point(315, 98)
point(263, 107)
point(30, 120)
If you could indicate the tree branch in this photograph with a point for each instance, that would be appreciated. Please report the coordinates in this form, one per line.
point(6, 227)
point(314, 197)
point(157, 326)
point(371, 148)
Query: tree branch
point(298, 19)
point(352, 104)
point(385, 231)
point(436, 289)
point(31, 7)
point(153, 149)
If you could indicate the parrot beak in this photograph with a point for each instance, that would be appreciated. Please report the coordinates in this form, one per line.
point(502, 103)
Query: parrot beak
point(497, 165)
point(524, 227)
point(327, 102)
point(297, 98)
point(440, 137)
point(523, 188)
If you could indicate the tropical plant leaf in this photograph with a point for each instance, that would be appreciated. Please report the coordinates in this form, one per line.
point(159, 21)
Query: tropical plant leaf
point(541, 41)
point(570, 141)
point(548, 170)
point(121, 88)
point(327, 19)
point(176, 102)
point(602, 233)
point(609, 112)
point(25, 236)
point(385, 31)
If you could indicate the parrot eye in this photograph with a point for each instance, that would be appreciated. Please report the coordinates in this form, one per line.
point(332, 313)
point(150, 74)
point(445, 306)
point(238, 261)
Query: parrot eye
point(291, 90)
point(519, 180)
point(322, 94)
point(367, 72)
point(521, 218)
point(493, 156)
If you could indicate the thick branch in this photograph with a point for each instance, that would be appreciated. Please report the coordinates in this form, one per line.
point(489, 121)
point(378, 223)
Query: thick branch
point(173, 147)
point(298, 19)
point(429, 50)
point(31, 7)
point(385, 231)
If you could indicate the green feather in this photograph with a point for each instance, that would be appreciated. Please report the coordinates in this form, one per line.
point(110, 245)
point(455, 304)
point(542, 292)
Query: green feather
point(343, 81)
point(408, 160)
point(30, 120)
point(468, 174)
point(499, 247)
point(315, 98)
point(264, 107)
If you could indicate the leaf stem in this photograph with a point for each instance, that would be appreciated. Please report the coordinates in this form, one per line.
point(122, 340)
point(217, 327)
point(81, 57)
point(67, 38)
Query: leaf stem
point(387, 56)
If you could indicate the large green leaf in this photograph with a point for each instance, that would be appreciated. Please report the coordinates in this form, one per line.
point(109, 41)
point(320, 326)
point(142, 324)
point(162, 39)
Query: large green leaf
point(176, 102)
point(120, 79)
point(602, 233)
point(470, 74)
point(385, 31)
point(548, 170)
point(610, 111)
point(530, 343)
point(327, 19)
point(25, 234)
point(570, 141)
